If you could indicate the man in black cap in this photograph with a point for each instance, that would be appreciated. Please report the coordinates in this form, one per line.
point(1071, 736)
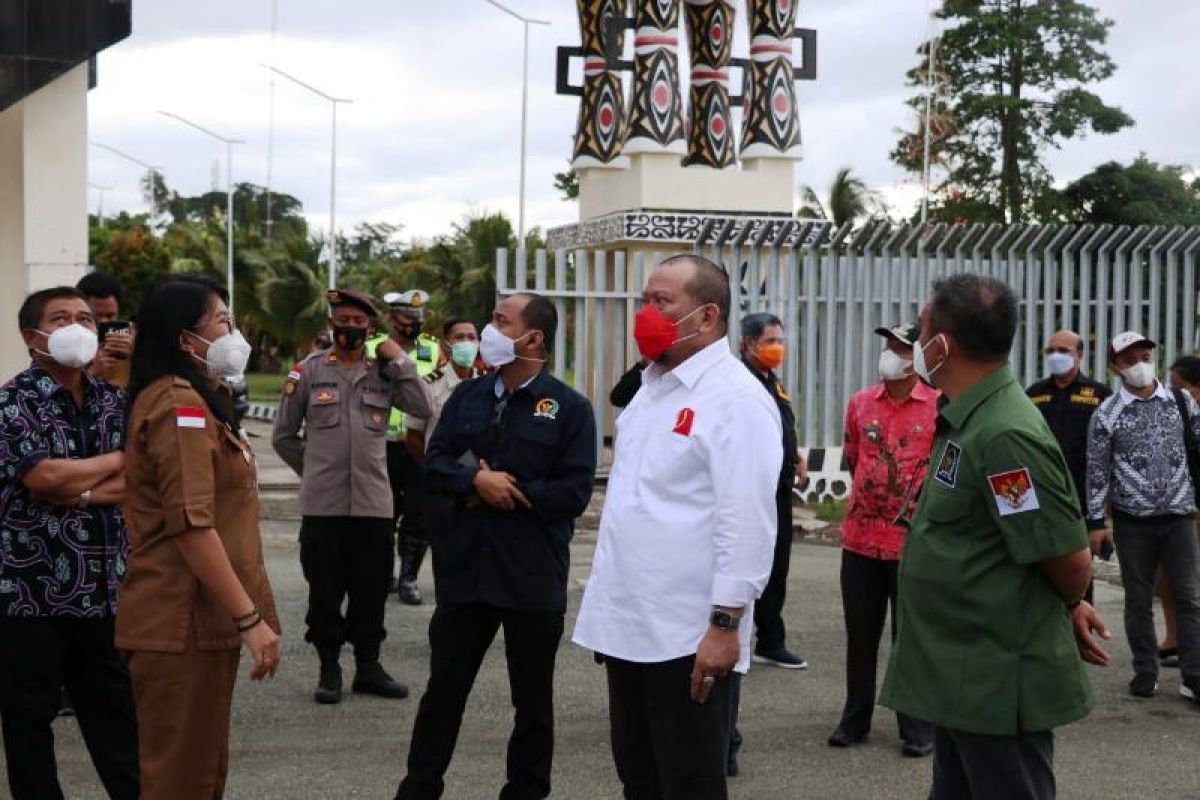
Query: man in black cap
point(342, 399)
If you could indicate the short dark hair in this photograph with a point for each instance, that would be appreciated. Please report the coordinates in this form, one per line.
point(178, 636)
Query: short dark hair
point(753, 325)
point(100, 284)
point(1188, 368)
point(540, 314)
point(30, 315)
point(450, 324)
point(709, 284)
point(978, 311)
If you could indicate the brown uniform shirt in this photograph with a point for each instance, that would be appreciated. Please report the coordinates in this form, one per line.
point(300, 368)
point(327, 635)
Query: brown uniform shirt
point(185, 470)
point(344, 408)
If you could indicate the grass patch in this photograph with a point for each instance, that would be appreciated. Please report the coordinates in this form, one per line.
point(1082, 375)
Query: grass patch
point(264, 387)
point(830, 511)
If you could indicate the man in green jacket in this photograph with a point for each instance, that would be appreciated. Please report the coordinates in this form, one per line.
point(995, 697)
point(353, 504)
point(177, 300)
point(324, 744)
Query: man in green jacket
point(992, 623)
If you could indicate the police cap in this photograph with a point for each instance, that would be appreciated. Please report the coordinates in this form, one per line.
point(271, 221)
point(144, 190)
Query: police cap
point(412, 302)
point(349, 297)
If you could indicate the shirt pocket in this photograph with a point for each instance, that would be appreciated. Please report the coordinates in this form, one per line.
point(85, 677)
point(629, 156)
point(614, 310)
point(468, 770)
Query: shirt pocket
point(324, 409)
point(375, 410)
point(947, 506)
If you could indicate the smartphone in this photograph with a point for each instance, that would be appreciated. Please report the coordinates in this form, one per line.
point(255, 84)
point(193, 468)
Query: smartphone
point(1106, 550)
point(118, 327)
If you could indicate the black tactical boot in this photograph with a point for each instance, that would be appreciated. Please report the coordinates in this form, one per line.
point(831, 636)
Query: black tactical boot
point(412, 554)
point(371, 678)
point(329, 685)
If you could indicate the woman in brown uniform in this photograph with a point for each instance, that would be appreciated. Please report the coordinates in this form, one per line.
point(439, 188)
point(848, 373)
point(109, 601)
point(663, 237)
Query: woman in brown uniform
point(196, 588)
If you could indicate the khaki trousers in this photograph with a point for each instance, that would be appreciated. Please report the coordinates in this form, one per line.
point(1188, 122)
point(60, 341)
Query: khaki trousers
point(183, 704)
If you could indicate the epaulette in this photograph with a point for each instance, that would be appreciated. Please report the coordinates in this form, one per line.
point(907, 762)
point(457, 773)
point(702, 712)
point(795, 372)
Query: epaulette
point(435, 376)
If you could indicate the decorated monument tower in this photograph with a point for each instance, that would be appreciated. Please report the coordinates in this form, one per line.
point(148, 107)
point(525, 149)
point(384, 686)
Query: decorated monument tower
point(651, 175)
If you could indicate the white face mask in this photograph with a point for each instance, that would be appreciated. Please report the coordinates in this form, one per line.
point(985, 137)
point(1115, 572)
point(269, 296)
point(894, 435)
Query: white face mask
point(73, 346)
point(1060, 363)
point(496, 349)
point(1140, 375)
point(922, 369)
point(228, 355)
point(892, 367)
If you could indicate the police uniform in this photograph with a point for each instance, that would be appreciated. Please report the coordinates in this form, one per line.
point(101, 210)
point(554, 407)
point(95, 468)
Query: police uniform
point(404, 474)
point(498, 568)
point(439, 385)
point(1068, 410)
point(185, 470)
point(985, 648)
point(346, 534)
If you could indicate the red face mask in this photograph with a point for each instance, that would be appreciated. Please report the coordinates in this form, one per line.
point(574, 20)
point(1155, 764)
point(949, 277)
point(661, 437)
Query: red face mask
point(655, 332)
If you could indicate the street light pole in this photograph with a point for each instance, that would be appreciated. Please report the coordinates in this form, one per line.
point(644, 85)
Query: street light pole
point(100, 190)
point(333, 101)
point(229, 143)
point(526, 22)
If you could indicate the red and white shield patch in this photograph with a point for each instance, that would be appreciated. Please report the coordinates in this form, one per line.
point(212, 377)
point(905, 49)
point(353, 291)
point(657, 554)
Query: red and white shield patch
point(1014, 491)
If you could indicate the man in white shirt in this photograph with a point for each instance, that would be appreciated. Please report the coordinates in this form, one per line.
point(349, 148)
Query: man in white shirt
point(686, 540)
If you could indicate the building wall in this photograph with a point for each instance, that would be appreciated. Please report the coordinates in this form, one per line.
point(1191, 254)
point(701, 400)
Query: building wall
point(43, 200)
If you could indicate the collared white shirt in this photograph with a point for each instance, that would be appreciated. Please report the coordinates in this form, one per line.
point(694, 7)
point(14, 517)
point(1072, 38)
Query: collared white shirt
point(1160, 392)
point(689, 520)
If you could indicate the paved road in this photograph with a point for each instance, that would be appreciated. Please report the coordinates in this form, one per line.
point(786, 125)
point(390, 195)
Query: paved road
point(286, 747)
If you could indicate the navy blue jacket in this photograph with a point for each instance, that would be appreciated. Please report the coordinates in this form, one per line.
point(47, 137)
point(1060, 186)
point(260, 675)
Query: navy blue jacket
point(545, 437)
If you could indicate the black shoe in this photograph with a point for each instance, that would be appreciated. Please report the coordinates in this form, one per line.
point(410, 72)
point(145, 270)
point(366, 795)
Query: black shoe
point(780, 657)
point(410, 595)
point(840, 738)
point(1144, 684)
point(370, 678)
point(329, 685)
point(731, 766)
point(1169, 657)
point(1190, 690)
point(65, 709)
point(913, 750)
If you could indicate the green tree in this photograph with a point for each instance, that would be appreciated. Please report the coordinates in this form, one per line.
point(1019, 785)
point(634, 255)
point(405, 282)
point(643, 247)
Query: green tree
point(1142, 193)
point(567, 183)
point(849, 200)
point(131, 252)
point(1016, 74)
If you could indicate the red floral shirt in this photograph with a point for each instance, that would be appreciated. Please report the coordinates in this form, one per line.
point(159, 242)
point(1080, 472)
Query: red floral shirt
point(887, 445)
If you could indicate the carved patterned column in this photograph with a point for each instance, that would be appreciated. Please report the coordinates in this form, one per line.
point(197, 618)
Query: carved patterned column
point(771, 122)
point(600, 131)
point(655, 105)
point(710, 37)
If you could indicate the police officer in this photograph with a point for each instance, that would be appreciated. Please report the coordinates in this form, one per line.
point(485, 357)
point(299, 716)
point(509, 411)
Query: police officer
point(995, 565)
point(406, 315)
point(342, 398)
point(516, 451)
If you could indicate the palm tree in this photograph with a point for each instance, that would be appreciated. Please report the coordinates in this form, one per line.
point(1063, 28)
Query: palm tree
point(849, 200)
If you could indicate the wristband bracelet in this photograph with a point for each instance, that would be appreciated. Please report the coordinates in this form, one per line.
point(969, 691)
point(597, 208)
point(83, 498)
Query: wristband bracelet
point(243, 627)
point(1072, 606)
point(252, 612)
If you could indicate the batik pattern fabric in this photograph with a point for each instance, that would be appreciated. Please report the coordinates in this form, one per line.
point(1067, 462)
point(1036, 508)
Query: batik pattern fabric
point(57, 561)
point(1137, 460)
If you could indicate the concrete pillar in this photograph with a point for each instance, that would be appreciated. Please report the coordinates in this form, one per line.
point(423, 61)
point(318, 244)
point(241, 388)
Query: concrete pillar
point(43, 201)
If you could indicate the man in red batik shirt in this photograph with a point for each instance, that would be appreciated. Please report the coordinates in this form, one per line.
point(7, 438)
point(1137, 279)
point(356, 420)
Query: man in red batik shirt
point(889, 433)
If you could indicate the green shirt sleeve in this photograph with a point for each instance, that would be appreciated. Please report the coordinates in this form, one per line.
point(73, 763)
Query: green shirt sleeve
point(1030, 498)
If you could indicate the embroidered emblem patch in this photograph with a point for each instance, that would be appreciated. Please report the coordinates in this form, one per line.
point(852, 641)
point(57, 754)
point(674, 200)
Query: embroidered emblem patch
point(947, 468)
point(324, 397)
point(1085, 399)
point(1087, 391)
point(546, 408)
point(1014, 491)
point(189, 417)
point(1040, 399)
point(683, 423)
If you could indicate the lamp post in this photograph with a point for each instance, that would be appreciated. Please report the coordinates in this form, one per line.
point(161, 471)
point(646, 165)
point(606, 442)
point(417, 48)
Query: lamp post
point(229, 143)
point(127, 157)
point(525, 22)
point(333, 102)
point(100, 190)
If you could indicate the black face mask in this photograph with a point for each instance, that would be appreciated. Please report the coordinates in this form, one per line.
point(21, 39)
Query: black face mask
point(411, 328)
point(349, 337)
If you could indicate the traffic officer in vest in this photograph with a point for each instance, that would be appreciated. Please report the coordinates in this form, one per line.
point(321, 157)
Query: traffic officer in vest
point(991, 622)
point(342, 397)
point(406, 315)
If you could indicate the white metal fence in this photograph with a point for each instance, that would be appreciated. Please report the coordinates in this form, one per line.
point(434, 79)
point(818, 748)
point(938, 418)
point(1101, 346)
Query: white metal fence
point(833, 286)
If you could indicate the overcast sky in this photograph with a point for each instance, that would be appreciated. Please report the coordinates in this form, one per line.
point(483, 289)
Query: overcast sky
point(434, 127)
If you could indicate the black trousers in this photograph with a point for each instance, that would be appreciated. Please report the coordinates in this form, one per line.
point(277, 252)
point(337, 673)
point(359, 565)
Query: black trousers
point(868, 588)
point(408, 494)
point(971, 766)
point(459, 637)
point(667, 746)
point(768, 611)
point(346, 557)
point(38, 656)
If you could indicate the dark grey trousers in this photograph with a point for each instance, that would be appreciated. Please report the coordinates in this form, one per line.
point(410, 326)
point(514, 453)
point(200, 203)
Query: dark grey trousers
point(971, 766)
point(1142, 544)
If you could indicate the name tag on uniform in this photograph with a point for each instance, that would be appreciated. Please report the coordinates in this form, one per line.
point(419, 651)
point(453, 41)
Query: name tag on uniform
point(1014, 492)
point(1040, 399)
point(1084, 399)
point(189, 417)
